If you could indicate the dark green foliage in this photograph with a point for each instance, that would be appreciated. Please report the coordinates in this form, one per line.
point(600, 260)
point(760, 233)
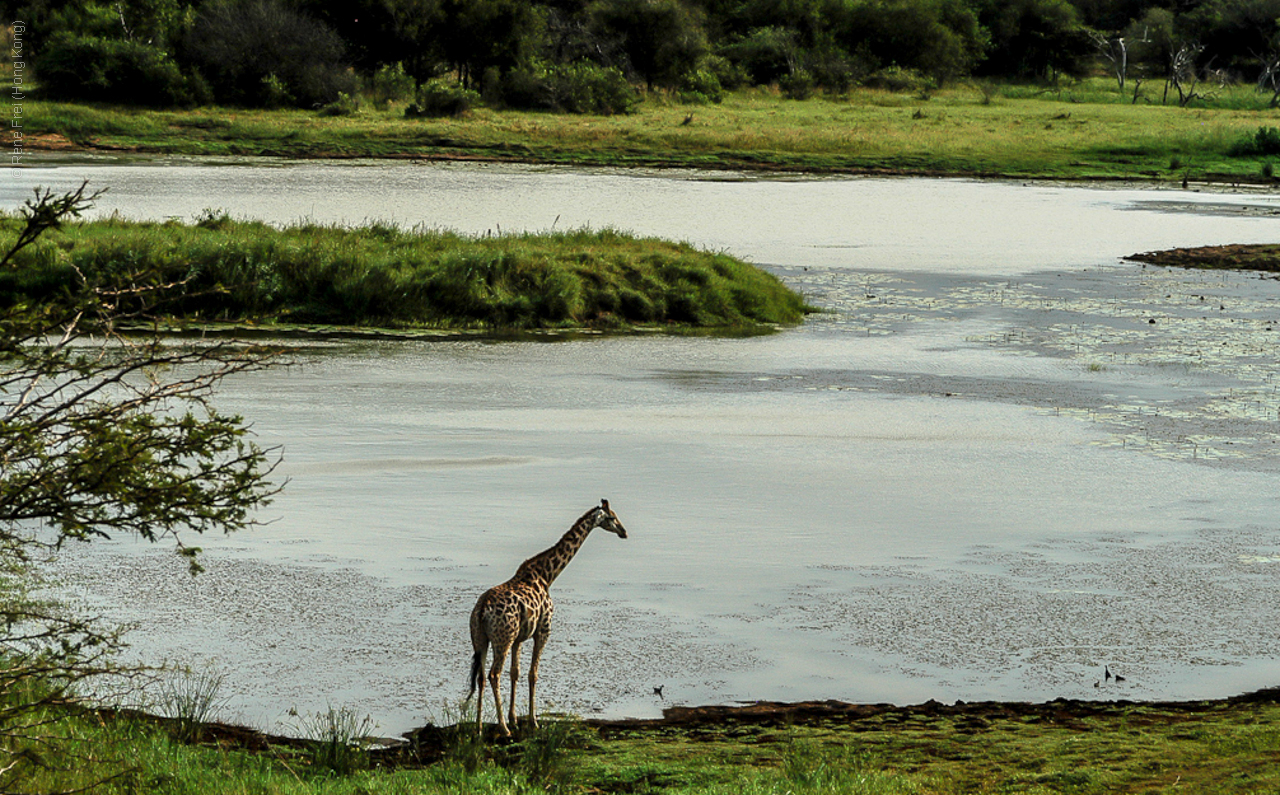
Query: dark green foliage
point(540, 54)
point(1267, 141)
point(660, 40)
point(581, 87)
point(765, 53)
point(584, 87)
point(390, 84)
point(797, 85)
point(442, 97)
point(79, 67)
point(264, 52)
point(1264, 142)
point(1036, 38)
point(941, 38)
point(700, 87)
point(381, 276)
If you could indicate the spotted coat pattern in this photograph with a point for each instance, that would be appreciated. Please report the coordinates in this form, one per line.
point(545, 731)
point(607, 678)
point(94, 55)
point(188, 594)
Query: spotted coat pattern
point(507, 615)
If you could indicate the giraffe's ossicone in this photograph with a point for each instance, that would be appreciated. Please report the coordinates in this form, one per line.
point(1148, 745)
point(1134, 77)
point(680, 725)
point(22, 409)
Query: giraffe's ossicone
point(507, 615)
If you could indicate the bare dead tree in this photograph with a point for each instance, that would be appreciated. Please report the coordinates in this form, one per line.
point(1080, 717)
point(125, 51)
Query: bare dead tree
point(1116, 51)
point(1183, 74)
point(1269, 77)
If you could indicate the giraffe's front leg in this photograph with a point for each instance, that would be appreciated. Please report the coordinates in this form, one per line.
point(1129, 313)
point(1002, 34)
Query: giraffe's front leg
point(539, 641)
point(515, 682)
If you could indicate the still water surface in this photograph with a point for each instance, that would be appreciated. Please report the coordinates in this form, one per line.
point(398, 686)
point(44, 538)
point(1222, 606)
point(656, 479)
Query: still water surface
point(1001, 459)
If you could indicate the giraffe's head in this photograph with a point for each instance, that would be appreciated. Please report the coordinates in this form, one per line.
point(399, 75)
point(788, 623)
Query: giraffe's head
point(608, 520)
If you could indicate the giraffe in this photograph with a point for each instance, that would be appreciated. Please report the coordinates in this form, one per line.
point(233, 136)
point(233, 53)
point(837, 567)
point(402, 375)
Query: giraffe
point(507, 615)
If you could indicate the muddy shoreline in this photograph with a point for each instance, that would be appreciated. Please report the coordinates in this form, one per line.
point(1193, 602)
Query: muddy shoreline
point(429, 744)
point(1258, 257)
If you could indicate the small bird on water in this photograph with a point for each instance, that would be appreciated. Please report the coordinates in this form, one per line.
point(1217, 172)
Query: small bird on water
point(657, 691)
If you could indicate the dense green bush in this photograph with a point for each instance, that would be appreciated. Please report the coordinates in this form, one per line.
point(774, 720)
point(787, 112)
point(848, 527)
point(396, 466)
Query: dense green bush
point(797, 85)
point(895, 78)
point(390, 83)
point(581, 87)
point(442, 97)
point(700, 87)
point(585, 87)
point(1266, 141)
point(77, 67)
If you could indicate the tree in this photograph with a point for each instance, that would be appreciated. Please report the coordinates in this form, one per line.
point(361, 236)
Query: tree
point(479, 34)
point(105, 428)
point(1035, 38)
point(264, 52)
point(662, 40)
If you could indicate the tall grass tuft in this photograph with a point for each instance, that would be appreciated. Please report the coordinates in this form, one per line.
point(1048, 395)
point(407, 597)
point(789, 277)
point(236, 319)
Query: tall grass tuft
point(191, 698)
point(339, 740)
point(543, 757)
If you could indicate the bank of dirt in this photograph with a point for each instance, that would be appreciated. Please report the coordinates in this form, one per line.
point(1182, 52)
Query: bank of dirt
point(430, 743)
point(1259, 257)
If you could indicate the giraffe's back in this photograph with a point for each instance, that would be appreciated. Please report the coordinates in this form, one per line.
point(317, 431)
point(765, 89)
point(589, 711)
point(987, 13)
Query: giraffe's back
point(510, 612)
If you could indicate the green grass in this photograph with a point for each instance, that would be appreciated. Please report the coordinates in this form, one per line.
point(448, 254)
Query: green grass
point(1219, 747)
point(246, 272)
point(1085, 131)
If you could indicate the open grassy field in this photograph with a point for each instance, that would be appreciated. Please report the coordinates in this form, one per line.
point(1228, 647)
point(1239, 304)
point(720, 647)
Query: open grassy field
point(244, 272)
point(1087, 131)
point(1059, 747)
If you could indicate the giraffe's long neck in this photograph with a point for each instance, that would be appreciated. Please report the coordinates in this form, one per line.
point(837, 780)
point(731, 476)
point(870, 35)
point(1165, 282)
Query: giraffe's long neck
point(546, 566)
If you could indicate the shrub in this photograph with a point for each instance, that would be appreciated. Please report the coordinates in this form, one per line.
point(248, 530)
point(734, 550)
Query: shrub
point(79, 67)
point(274, 93)
point(344, 105)
point(729, 74)
point(582, 87)
point(1266, 141)
point(441, 97)
point(797, 85)
point(700, 87)
point(765, 54)
point(585, 87)
point(895, 78)
point(391, 84)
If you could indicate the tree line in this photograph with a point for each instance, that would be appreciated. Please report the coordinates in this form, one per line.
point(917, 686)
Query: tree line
point(586, 55)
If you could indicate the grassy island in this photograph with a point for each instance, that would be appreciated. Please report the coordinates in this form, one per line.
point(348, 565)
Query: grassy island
point(250, 273)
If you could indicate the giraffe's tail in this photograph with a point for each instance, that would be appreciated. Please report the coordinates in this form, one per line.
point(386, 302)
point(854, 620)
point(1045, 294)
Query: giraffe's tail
point(477, 672)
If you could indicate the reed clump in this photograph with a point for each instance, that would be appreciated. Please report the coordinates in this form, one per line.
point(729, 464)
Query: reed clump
point(384, 276)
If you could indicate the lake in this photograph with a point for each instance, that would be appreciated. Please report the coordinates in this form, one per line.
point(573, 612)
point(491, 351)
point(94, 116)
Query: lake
point(1000, 458)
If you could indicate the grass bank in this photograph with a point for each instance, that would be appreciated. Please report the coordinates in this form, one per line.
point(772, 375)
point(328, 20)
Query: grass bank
point(382, 276)
point(1086, 131)
point(1230, 746)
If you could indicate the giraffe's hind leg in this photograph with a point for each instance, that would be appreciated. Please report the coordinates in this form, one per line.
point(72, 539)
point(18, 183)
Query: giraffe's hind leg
point(495, 679)
point(477, 674)
point(539, 641)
